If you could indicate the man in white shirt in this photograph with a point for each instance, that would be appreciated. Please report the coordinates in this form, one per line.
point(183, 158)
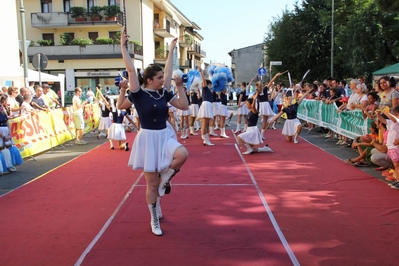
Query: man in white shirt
point(78, 116)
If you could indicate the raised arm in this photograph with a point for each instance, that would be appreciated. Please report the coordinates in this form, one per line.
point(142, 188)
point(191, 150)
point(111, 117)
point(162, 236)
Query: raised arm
point(202, 77)
point(133, 79)
point(169, 65)
point(273, 79)
point(100, 94)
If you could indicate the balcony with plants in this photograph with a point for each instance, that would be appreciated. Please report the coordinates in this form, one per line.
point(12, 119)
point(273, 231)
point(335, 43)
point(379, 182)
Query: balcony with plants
point(186, 40)
point(161, 54)
point(79, 17)
point(84, 48)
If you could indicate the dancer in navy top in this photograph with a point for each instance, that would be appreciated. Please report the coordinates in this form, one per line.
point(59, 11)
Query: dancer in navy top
point(155, 148)
point(251, 136)
point(222, 112)
point(265, 110)
point(242, 110)
point(206, 111)
point(292, 126)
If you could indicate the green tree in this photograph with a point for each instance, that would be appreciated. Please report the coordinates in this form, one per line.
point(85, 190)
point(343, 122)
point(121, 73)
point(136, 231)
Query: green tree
point(389, 6)
point(365, 39)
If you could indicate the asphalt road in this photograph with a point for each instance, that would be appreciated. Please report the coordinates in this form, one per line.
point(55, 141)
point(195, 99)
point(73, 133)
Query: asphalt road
point(38, 165)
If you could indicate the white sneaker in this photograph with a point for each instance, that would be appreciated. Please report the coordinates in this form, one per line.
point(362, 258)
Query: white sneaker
point(82, 142)
point(249, 151)
point(328, 136)
point(339, 142)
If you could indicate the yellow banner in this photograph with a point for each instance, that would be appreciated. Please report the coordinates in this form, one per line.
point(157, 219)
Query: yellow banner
point(36, 132)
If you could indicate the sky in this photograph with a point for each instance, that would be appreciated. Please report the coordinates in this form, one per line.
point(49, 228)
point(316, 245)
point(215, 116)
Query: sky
point(231, 24)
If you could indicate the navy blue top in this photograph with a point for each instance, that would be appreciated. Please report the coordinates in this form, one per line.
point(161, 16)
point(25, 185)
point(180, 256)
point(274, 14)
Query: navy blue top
point(194, 97)
point(3, 119)
point(206, 94)
point(252, 119)
point(244, 96)
point(118, 119)
point(152, 112)
point(105, 112)
point(291, 111)
point(188, 97)
point(264, 97)
point(223, 98)
point(215, 97)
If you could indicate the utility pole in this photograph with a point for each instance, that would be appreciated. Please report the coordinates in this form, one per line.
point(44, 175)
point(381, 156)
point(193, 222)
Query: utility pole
point(23, 35)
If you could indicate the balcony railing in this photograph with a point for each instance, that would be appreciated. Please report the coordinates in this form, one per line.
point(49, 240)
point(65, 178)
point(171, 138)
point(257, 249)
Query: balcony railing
point(185, 64)
point(196, 50)
point(62, 19)
point(92, 51)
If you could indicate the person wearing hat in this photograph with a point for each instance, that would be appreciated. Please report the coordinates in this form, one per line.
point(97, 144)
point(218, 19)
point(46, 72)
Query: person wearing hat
point(50, 97)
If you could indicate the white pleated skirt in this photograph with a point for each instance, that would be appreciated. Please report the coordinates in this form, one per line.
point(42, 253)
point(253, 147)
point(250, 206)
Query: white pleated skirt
point(252, 136)
point(183, 112)
point(116, 132)
point(105, 123)
point(153, 150)
point(206, 110)
point(243, 110)
point(222, 110)
point(194, 109)
point(290, 127)
point(215, 107)
point(265, 109)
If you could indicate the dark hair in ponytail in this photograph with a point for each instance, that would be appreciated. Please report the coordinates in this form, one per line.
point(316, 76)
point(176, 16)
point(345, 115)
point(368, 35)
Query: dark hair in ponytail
point(150, 72)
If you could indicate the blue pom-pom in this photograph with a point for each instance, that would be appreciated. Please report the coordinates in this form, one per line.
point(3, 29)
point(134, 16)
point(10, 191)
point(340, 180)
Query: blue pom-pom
point(184, 78)
point(212, 70)
point(219, 82)
point(228, 73)
point(125, 74)
point(192, 74)
point(117, 80)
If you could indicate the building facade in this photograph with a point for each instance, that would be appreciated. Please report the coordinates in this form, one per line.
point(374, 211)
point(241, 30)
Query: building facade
point(246, 61)
point(11, 72)
point(93, 57)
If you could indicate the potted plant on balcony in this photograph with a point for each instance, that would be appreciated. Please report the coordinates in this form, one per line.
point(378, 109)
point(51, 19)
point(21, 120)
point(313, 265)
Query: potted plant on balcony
point(78, 13)
point(111, 12)
point(160, 52)
point(45, 42)
point(188, 39)
point(95, 13)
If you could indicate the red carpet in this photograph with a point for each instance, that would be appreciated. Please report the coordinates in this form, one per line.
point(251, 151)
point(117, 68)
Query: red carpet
point(52, 220)
point(330, 213)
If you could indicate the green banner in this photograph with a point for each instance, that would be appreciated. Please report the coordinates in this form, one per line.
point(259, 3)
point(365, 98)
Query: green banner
point(350, 124)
